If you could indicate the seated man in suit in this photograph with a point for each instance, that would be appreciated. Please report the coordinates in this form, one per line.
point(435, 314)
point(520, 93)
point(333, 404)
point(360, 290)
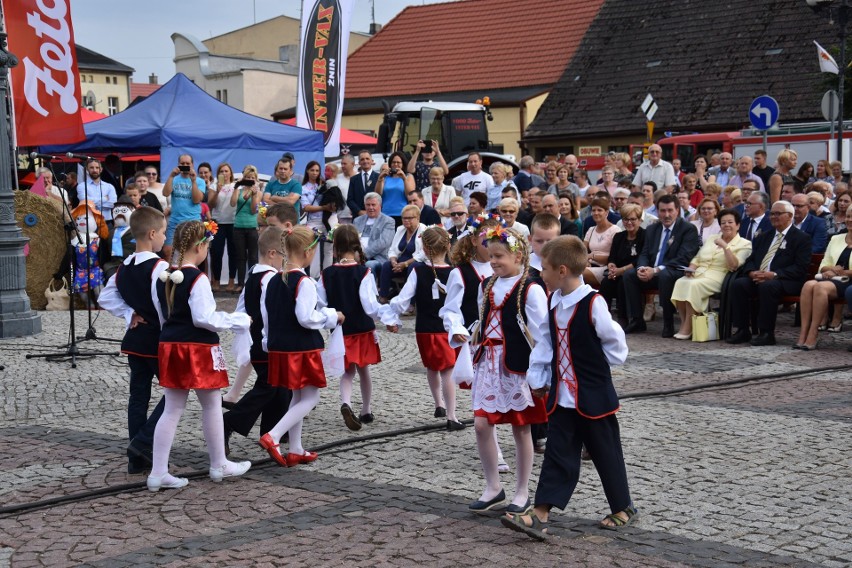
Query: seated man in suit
point(777, 267)
point(669, 246)
point(428, 215)
point(755, 221)
point(361, 183)
point(376, 230)
point(550, 205)
point(811, 224)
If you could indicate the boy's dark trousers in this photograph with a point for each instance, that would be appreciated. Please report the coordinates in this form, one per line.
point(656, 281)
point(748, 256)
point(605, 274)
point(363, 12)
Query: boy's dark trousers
point(140, 426)
point(268, 402)
point(567, 433)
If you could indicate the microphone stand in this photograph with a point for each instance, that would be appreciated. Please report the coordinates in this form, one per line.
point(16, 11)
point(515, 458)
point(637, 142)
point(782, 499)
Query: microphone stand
point(71, 350)
point(91, 334)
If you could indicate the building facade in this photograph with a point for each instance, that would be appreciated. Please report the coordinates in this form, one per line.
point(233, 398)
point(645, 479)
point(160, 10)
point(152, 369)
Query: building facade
point(104, 82)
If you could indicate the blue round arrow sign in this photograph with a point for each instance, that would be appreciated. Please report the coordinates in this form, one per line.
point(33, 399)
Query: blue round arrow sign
point(763, 112)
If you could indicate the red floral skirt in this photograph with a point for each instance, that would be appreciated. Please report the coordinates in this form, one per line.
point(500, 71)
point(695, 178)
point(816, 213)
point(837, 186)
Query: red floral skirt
point(362, 349)
point(296, 370)
point(435, 351)
point(192, 366)
point(536, 414)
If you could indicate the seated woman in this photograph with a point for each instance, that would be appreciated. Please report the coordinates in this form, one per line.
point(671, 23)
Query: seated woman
point(707, 224)
point(707, 271)
point(837, 223)
point(816, 294)
point(508, 209)
point(406, 249)
point(599, 242)
point(626, 246)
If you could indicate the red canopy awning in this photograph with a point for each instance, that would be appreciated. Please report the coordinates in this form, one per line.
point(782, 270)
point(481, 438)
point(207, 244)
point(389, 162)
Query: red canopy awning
point(346, 136)
point(90, 115)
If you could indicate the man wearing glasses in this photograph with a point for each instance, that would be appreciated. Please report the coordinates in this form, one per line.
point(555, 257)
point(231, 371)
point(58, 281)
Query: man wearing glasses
point(777, 267)
point(655, 169)
point(810, 224)
point(458, 218)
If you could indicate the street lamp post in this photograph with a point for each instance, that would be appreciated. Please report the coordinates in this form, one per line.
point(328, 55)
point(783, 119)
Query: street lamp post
point(16, 315)
point(842, 9)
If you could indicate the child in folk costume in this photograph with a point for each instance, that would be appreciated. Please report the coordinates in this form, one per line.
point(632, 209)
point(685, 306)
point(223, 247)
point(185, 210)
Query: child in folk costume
point(513, 311)
point(291, 324)
point(580, 343)
point(262, 401)
point(426, 286)
point(132, 294)
point(349, 286)
point(461, 308)
point(190, 356)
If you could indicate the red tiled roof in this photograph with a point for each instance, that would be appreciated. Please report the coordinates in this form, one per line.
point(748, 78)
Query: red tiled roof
point(469, 45)
point(141, 90)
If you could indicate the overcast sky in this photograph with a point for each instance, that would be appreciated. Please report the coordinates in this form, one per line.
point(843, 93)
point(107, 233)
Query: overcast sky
point(138, 34)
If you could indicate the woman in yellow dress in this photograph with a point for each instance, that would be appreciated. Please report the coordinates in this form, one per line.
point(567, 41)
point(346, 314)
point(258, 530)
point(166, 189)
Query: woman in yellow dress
point(707, 271)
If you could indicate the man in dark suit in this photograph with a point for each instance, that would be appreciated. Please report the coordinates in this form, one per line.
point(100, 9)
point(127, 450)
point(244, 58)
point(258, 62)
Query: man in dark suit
point(778, 266)
point(756, 221)
point(428, 215)
point(550, 204)
point(361, 183)
point(811, 224)
point(669, 246)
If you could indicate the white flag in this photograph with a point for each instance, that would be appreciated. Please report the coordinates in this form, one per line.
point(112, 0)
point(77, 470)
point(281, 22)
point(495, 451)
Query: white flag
point(827, 64)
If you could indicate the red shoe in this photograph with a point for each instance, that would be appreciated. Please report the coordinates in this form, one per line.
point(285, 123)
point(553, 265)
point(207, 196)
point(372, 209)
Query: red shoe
point(308, 457)
point(273, 450)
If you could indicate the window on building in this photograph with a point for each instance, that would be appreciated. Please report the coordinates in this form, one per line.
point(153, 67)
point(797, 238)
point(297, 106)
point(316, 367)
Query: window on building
point(82, 78)
point(91, 79)
point(112, 105)
point(114, 80)
point(222, 95)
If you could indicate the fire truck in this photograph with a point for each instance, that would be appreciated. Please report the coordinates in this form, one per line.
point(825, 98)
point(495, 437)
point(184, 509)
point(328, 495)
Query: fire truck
point(811, 141)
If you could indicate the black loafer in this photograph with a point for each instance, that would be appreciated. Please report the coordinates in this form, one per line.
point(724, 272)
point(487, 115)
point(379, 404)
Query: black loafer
point(454, 426)
point(512, 508)
point(140, 453)
point(228, 405)
point(349, 418)
point(440, 412)
point(366, 418)
point(479, 506)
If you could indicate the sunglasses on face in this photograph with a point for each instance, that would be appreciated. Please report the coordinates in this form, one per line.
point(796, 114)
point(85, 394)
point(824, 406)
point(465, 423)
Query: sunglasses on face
point(456, 214)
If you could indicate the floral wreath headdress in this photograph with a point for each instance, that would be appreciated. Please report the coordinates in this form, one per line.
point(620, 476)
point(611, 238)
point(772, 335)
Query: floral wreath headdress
point(474, 222)
point(502, 235)
point(210, 230)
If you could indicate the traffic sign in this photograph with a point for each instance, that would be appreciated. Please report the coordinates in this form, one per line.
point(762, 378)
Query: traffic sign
point(830, 105)
point(763, 112)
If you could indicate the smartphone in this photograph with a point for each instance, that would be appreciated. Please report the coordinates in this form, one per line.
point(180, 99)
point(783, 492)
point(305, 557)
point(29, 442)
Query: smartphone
point(427, 147)
point(221, 179)
point(184, 169)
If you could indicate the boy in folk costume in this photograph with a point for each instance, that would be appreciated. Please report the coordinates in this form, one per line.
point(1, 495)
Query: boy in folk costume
point(581, 341)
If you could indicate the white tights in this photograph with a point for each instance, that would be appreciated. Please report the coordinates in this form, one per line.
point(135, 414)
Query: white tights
point(211, 424)
point(488, 455)
point(366, 387)
point(443, 390)
point(233, 394)
point(304, 400)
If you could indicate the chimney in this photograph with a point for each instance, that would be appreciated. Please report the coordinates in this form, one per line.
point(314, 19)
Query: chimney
point(375, 28)
point(152, 79)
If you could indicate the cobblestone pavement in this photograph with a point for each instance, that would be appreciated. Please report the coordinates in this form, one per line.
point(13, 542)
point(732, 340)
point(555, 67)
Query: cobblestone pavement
point(753, 476)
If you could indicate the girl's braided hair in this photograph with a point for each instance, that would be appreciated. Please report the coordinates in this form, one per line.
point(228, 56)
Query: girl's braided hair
point(436, 241)
point(187, 235)
point(346, 240)
point(523, 249)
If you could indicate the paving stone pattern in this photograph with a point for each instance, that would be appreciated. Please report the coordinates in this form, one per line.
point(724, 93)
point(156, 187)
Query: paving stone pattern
point(751, 476)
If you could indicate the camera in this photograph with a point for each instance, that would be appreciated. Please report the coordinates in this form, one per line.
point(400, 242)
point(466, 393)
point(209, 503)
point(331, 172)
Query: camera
point(185, 169)
point(245, 183)
point(393, 171)
point(427, 147)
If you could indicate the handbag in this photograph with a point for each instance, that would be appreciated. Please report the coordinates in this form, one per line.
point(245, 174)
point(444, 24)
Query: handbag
point(57, 299)
point(705, 327)
point(333, 358)
point(463, 369)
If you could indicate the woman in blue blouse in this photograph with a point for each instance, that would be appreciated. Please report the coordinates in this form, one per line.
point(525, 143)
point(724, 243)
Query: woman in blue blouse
point(393, 185)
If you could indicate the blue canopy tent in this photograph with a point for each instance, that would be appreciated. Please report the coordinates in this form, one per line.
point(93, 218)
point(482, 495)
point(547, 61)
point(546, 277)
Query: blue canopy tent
point(180, 118)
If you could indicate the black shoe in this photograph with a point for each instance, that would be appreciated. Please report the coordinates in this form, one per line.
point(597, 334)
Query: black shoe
point(137, 451)
point(668, 330)
point(228, 441)
point(228, 405)
point(636, 326)
point(763, 340)
point(454, 426)
point(741, 336)
point(367, 418)
point(849, 348)
point(136, 466)
point(483, 506)
point(440, 412)
point(349, 417)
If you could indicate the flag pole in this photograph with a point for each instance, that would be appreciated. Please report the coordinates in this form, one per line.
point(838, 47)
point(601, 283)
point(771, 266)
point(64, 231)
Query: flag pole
point(843, 17)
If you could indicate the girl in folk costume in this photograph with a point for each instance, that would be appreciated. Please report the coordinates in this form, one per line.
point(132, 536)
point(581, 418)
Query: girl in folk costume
point(513, 310)
point(426, 286)
point(461, 309)
point(190, 356)
point(349, 286)
point(291, 324)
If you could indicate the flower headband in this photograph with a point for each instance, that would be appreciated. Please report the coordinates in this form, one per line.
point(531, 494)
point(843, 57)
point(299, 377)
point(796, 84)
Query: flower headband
point(502, 235)
point(318, 236)
point(420, 236)
point(477, 221)
point(261, 209)
point(210, 230)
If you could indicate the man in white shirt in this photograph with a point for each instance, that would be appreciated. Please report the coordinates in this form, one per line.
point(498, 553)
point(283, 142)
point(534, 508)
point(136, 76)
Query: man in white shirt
point(726, 172)
point(474, 179)
point(96, 190)
point(655, 169)
point(347, 169)
point(744, 173)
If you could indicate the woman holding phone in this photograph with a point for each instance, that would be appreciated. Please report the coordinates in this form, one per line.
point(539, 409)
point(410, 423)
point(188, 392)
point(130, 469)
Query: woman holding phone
point(245, 198)
point(219, 200)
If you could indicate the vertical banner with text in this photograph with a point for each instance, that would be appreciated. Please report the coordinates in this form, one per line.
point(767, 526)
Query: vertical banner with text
point(46, 82)
point(322, 68)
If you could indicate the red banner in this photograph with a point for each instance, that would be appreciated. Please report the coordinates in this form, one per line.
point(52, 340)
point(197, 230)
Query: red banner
point(45, 83)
